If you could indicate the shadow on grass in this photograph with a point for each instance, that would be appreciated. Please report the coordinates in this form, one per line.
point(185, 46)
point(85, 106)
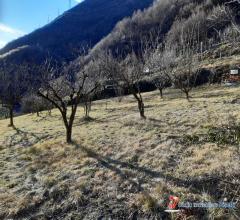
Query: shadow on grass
point(25, 138)
point(46, 117)
point(194, 185)
point(85, 121)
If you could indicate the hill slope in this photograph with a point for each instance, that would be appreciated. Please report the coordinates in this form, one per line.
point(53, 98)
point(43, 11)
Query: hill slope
point(87, 23)
point(165, 20)
point(121, 167)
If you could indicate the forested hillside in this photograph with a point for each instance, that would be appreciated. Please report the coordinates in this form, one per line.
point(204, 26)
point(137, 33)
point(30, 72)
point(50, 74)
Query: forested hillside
point(167, 19)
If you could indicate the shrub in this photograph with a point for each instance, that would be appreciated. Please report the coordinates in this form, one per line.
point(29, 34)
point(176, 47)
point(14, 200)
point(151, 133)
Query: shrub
point(146, 202)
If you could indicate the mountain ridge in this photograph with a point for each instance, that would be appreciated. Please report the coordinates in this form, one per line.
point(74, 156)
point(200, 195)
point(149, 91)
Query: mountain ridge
point(86, 23)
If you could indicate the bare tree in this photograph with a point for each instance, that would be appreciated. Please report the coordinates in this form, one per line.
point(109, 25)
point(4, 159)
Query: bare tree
point(232, 8)
point(65, 87)
point(87, 107)
point(13, 85)
point(160, 64)
point(187, 63)
point(125, 73)
point(185, 74)
point(185, 78)
point(94, 69)
point(32, 103)
point(133, 72)
point(161, 81)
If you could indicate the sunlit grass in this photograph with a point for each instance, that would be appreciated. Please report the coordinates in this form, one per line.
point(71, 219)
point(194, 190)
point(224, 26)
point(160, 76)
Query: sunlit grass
point(118, 148)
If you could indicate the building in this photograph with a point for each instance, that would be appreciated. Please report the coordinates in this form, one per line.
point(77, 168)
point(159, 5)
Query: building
point(232, 77)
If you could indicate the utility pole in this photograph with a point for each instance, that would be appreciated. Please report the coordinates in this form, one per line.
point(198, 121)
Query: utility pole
point(70, 4)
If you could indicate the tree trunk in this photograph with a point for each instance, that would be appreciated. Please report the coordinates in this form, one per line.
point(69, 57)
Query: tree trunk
point(68, 126)
point(11, 117)
point(69, 134)
point(70, 123)
point(187, 95)
point(86, 110)
point(161, 93)
point(140, 104)
point(106, 105)
point(141, 109)
point(37, 113)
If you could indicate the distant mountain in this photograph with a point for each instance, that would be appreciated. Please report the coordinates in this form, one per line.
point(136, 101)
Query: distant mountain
point(87, 23)
point(26, 54)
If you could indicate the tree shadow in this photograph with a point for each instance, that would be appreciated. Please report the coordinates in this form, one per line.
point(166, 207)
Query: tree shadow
point(104, 161)
point(102, 120)
point(25, 138)
point(86, 120)
point(194, 185)
point(47, 117)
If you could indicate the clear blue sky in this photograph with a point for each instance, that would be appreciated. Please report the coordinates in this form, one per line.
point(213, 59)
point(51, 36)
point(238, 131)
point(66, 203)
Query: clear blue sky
point(19, 17)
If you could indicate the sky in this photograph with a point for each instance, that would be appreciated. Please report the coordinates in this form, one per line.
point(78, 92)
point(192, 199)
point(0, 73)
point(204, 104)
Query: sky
point(20, 17)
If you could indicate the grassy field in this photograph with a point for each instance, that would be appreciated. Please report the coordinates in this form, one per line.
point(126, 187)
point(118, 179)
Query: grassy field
point(120, 166)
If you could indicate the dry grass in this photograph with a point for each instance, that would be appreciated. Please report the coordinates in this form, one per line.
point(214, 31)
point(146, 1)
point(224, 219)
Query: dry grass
point(118, 159)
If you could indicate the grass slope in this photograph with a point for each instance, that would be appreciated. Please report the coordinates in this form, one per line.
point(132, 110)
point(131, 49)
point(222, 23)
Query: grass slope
point(121, 166)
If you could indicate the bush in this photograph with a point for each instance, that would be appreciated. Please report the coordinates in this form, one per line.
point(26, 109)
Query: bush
point(224, 135)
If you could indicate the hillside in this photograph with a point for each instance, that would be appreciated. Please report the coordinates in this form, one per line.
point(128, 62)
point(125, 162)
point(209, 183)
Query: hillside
point(87, 23)
point(119, 25)
point(165, 20)
point(120, 167)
